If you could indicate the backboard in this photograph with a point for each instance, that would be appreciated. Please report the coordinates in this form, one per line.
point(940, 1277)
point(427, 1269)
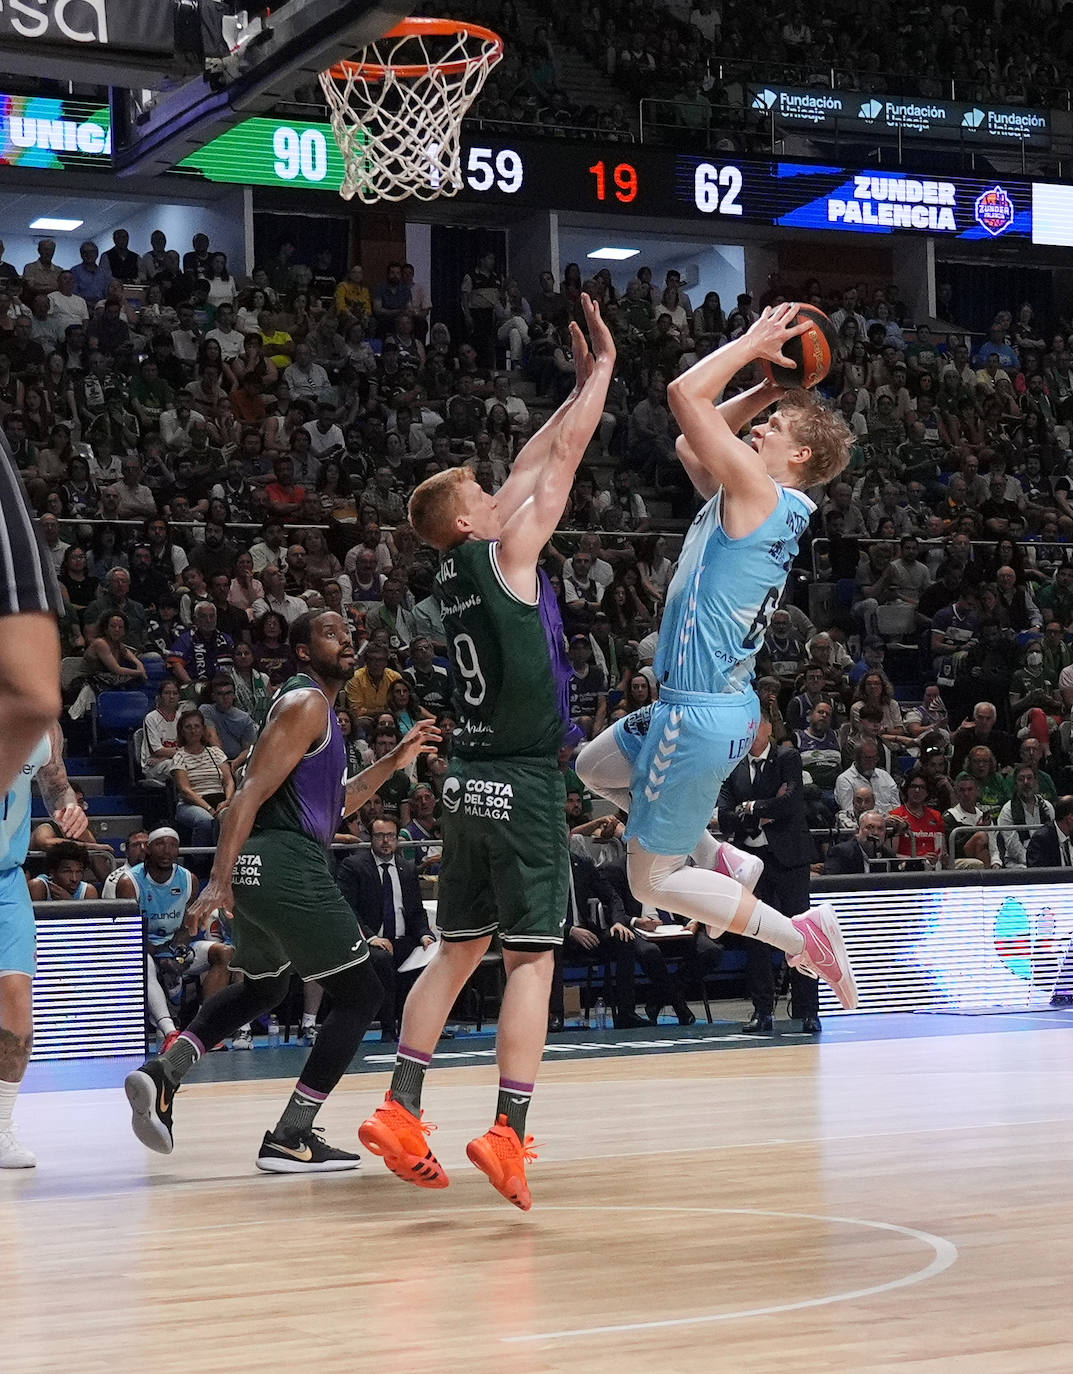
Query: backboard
point(268, 56)
point(183, 71)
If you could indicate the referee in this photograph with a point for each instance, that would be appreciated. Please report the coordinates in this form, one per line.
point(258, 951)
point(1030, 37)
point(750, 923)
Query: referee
point(30, 601)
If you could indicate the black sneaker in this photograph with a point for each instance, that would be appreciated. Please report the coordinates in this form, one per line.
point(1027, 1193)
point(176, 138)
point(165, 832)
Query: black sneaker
point(150, 1093)
point(303, 1154)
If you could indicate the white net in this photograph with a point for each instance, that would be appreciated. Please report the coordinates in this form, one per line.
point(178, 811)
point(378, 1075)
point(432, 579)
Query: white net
point(397, 109)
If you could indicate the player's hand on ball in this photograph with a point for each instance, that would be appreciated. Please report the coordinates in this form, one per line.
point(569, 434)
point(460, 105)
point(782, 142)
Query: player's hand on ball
point(770, 334)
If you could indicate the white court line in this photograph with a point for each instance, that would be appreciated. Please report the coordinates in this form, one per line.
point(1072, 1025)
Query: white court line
point(945, 1254)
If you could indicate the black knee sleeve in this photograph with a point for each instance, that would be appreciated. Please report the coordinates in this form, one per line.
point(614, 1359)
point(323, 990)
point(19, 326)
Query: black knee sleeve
point(236, 1005)
point(357, 986)
point(356, 995)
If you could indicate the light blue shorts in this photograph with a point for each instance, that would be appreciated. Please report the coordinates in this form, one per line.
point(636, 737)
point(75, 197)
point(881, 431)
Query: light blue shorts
point(681, 754)
point(18, 931)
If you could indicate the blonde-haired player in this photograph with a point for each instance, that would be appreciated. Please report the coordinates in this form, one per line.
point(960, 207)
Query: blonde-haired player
point(506, 866)
point(666, 763)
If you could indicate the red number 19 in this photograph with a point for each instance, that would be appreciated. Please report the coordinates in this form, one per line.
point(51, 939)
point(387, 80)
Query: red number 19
point(624, 176)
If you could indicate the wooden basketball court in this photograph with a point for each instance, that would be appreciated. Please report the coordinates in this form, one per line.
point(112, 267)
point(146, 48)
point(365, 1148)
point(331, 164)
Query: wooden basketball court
point(862, 1205)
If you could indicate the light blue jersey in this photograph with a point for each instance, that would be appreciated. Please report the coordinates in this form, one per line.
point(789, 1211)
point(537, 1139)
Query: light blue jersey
point(15, 816)
point(17, 930)
point(78, 895)
point(723, 593)
point(163, 905)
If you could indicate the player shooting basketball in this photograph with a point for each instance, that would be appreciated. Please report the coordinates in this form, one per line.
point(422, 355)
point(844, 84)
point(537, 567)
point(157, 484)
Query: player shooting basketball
point(665, 763)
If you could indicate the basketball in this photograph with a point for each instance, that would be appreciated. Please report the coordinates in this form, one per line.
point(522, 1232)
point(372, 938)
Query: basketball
point(813, 352)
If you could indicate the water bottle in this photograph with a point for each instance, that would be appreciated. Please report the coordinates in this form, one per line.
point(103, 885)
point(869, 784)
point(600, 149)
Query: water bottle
point(601, 1014)
point(273, 1033)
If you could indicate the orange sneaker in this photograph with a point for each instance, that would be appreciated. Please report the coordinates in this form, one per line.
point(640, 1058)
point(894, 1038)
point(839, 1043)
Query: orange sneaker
point(503, 1157)
point(398, 1137)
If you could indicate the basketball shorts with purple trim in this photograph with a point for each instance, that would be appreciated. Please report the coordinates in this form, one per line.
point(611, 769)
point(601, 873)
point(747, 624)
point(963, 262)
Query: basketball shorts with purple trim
point(680, 758)
point(506, 865)
point(289, 911)
point(18, 930)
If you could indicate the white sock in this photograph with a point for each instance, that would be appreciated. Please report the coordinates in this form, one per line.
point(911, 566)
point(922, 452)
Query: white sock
point(309, 1018)
point(8, 1094)
point(771, 927)
point(701, 895)
point(159, 1008)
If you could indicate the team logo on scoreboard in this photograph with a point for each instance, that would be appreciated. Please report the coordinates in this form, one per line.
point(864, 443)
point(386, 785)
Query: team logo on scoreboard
point(994, 211)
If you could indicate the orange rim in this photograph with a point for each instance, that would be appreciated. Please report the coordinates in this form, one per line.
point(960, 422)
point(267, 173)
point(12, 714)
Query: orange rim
point(418, 28)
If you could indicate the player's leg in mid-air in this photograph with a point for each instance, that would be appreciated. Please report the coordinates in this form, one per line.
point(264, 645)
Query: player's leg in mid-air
point(505, 873)
point(676, 762)
point(397, 1131)
point(606, 766)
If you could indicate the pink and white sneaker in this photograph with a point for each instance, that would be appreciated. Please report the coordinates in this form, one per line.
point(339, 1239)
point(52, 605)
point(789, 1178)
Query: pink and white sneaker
point(825, 952)
point(737, 864)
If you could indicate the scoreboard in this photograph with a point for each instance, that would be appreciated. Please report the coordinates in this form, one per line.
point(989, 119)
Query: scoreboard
point(626, 180)
point(619, 180)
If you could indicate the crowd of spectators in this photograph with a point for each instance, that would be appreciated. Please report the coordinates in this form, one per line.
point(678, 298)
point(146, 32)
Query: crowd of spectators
point(694, 60)
point(712, 50)
point(210, 457)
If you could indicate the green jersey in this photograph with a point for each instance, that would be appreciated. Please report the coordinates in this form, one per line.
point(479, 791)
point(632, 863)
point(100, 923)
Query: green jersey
point(506, 700)
point(310, 799)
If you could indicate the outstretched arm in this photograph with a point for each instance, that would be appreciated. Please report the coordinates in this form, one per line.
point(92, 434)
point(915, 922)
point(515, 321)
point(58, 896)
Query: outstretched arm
point(530, 524)
point(422, 739)
point(710, 450)
point(530, 464)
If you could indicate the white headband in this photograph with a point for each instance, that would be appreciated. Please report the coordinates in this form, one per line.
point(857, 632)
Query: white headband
point(164, 832)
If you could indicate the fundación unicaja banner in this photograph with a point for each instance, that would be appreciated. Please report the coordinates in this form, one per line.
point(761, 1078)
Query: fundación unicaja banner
point(858, 112)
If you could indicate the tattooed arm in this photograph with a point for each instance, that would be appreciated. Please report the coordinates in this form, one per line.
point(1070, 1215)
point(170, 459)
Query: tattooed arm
point(57, 791)
point(55, 788)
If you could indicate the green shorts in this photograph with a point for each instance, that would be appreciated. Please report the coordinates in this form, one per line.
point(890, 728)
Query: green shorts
point(506, 865)
point(289, 911)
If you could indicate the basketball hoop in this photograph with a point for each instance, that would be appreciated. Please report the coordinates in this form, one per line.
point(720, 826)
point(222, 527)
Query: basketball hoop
point(397, 108)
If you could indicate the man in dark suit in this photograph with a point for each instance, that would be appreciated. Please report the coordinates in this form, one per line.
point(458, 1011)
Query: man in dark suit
point(1050, 846)
point(865, 852)
point(590, 939)
point(762, 810)
point(384, 893)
